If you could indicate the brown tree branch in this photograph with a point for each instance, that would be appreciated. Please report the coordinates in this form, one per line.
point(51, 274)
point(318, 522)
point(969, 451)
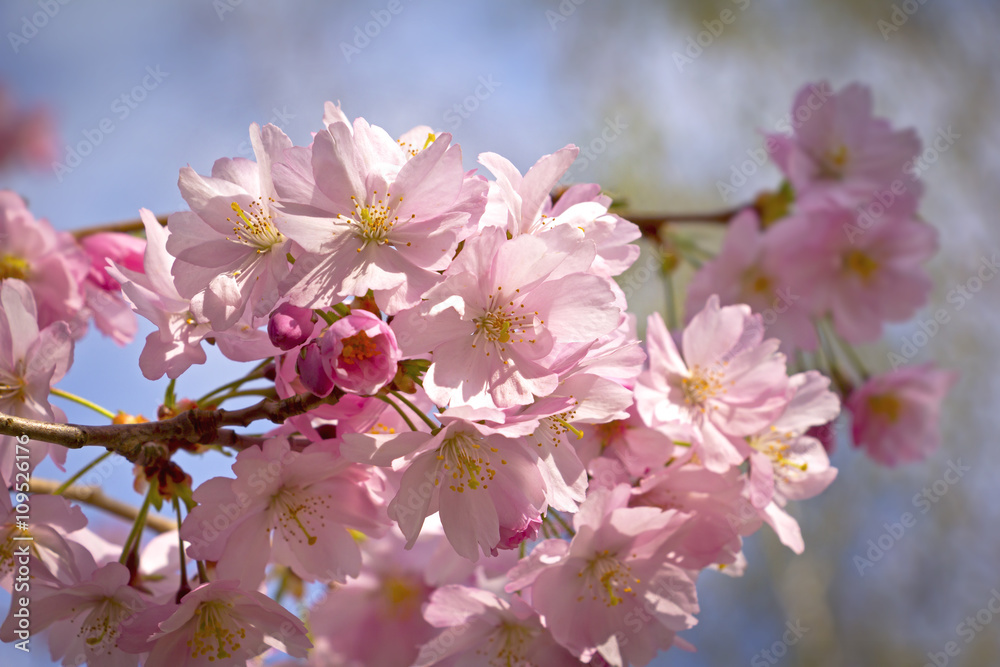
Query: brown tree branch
point(94, 496)
point(643, 220)
point(126, 227)
point(196, 426)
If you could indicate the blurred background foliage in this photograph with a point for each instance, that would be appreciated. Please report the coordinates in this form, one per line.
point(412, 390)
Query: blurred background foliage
point(548, 73)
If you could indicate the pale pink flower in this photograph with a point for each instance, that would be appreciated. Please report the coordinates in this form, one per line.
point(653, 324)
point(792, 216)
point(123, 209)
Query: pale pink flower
point(729, 384)
point(230, 244)
point(786, 462)
point(748, 270)
point(375, 619)
point(480, 482)
point(715, 509)
point(26, 136)
point(47, 260)
point(615, 569)
point(102, 293)
point(53, 554)
point(862, 277)
point(217, 623)
point(522, 205)
point(176, 345)
point(31, 361)
point(84, 619)
point(503, 306)
point(371, 217)
point(840, 151)
point(896, 414)
point(295, 508)
point(480, 627)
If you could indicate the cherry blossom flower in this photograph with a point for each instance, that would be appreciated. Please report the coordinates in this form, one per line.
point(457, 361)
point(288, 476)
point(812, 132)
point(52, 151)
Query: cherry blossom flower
point(31, 361)
point(841, 151)
point(296, 508)
point(480, 482)
point(217, 623)
point(371, 217)
point(522, 205)
point(896, 414)
point(503, 305)
point(84, 620)
point(483, 627)
point(176, 345)
point(593, 591)
point(230, 244)
point(729, 384)
point(748, 270)
point(52, 553)
point(861, 277)
point(26, 136)
point(48, 261)
point(102, 293)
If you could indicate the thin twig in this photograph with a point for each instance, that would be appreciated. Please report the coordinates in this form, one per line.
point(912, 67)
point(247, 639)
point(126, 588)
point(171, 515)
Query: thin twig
point(197, 426)
point(95, 497)
point(126, 227)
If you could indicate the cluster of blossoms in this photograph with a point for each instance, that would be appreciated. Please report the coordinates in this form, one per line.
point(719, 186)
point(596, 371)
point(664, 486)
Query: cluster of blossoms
point(491, 469)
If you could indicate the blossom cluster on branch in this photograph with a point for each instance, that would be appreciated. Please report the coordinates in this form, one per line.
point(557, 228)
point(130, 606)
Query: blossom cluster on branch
point(470, 458)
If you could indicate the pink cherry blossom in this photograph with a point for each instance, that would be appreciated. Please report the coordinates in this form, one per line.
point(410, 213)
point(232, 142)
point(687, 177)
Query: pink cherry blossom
point(230, 244)
point(503, 305)
point(748, 270)
point(217, 623)
point(729, 384)
point(102, 293)
point(371, 217)
point(26, 136)
point(51, 551)
point(480, 482)
point(31, 361)
point(615, 569)
point(896, 414)
point(84, 619)
point(842, 152)
point(176, 345)
point(48, 261)
point(376, 618)
point(861, 276)
point(784, 457)
point(522, 205)
point(296, 508)
point(482, 627)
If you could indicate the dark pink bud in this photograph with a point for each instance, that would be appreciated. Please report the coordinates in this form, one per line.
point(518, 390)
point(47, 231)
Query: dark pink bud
point(290, 326)
point(315, 376)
